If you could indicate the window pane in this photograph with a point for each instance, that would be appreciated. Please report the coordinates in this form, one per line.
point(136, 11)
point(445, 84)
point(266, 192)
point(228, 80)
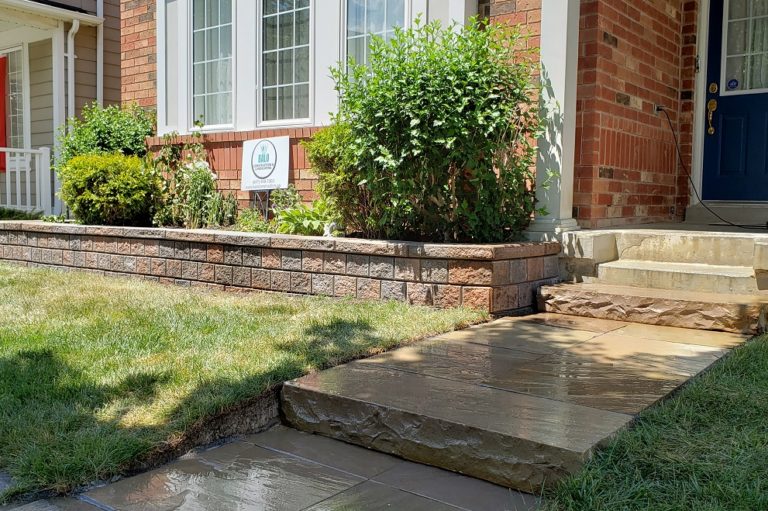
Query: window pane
point(286, 30)
point(355, 17)
point(760, 7)
point(356, 49)
point(737, 9)
point(285, 66)
point(286, 5)
point(302, 27)
point(376, 16)
point(302, 101)
point(301, 71)
point(198, 48)
point(395, 13)
point(211, 13)
point(300, 4)
point(212, 44)
point(270, 6)
point(735, 75)
point(270, 33)
point(759, 72)
point(737, 37)
point(270, 69)
point(270, 104)
point(225, 12)
point(225, 44)
point(199, 78)
point(760, 35)
point(198, 14)
point(285, 102)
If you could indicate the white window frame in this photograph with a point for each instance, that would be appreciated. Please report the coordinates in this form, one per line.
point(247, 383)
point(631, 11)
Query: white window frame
point(328, 34)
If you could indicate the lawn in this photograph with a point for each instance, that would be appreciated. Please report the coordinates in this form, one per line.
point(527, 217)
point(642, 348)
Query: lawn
point(97, 373)
point(704, 449)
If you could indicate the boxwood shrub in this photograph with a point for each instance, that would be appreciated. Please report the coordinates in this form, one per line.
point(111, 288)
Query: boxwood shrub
point(110, 189)
point(434, 138)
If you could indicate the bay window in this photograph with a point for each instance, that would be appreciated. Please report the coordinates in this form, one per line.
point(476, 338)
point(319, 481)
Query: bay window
point(245, 64)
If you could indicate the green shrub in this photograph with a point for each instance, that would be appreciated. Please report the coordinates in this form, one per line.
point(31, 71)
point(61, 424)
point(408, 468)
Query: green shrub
point(287, 198)
point(13, 214)
point(110, 189)
point(252, 220)
point(308, 221)
point(190, 197)
point(434, 137)
point(333, 160)
point(111, 129)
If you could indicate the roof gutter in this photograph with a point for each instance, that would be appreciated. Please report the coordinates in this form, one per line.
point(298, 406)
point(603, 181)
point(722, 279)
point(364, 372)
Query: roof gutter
point(49, 11)
point(71, 71)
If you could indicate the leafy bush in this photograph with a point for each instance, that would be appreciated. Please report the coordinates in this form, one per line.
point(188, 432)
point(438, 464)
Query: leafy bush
point(252, 220)
point(318, 220)
point(433, 139)
point(110, 189)
point(111, 129)
point(287, 198)
point(190, 197)
point(13, 214)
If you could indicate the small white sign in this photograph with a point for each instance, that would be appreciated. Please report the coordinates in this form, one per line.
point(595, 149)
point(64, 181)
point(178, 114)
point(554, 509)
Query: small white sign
point(265, 164)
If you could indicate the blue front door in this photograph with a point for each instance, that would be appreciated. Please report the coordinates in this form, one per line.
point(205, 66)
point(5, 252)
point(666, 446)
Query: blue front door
point(736, 117)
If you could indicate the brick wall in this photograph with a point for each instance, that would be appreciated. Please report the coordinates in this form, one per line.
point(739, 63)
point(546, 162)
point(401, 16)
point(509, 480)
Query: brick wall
point(526, 14)
point(225, 155)
point(138, 42)
point(497, 278)
point(630, 60)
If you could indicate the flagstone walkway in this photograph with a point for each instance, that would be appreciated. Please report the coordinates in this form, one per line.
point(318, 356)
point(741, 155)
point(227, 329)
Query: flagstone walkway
point(520, 402)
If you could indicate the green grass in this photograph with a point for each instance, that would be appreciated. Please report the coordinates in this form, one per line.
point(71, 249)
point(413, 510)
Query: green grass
point(96, 373)
point(704, 449)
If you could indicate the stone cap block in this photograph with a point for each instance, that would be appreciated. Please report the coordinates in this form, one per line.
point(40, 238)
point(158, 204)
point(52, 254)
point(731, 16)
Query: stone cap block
point(598, 247)
point(481, 252)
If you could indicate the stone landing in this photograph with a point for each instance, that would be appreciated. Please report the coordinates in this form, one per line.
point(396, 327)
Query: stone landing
point(521, 402)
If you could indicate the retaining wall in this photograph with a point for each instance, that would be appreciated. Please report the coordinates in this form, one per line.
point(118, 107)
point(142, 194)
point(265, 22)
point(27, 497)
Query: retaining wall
point(497, 278)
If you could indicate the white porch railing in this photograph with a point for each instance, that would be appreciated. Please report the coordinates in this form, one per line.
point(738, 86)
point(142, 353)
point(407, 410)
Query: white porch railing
point(26, 181)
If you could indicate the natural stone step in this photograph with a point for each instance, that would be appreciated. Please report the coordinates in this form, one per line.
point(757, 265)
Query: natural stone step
point(715, 248)
point(683, 276)
point(512, 439)
point(685, 309)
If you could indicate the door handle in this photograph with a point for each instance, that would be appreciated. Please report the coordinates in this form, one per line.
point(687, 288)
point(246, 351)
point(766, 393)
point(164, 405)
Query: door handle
point(711, 107)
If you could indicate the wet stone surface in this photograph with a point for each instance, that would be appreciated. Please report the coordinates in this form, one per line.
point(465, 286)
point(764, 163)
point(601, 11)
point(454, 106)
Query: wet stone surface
point(521, 402)
point(283, 469)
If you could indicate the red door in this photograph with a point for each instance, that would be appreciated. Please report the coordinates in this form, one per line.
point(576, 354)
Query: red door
point(3, 103)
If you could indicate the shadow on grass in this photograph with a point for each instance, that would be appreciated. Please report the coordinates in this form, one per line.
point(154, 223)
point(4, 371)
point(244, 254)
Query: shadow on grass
point(60, 430)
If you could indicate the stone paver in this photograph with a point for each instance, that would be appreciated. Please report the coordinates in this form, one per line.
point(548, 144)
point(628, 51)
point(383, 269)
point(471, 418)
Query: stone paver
point(520, 402)
point(288, 470)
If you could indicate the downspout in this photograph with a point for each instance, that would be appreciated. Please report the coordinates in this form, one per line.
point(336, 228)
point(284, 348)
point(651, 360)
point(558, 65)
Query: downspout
point(71, 70)
point(100, 54)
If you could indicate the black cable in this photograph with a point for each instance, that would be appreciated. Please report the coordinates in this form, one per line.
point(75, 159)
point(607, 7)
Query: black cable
point(663, 109)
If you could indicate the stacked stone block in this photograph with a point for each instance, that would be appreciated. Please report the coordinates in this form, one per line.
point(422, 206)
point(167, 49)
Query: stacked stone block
point(497, 278)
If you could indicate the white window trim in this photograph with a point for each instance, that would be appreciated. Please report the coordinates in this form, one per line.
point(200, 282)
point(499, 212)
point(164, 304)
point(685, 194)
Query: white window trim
point(328, 34)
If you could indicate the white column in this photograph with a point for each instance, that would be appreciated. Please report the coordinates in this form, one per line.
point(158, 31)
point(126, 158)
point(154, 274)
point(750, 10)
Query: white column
point(557, 146)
